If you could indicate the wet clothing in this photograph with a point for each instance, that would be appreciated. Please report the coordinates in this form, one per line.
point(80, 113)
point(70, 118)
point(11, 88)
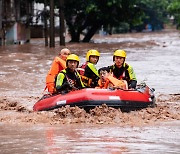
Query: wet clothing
point(112, 82)
point(89, 74)
point(68, 81)
point(57, 65)
point(104, 85)
point(126, 72)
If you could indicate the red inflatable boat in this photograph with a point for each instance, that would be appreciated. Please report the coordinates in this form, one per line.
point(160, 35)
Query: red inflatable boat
point(90, 97)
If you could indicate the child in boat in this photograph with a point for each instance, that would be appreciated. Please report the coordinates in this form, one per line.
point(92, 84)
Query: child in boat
point(108, 81)
point(69, 79)
point(88, 71)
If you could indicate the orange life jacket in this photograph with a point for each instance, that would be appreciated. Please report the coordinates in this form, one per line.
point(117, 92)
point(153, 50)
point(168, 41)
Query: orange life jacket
point(118, 83)
point(115, 82)
point(103, 85)
point(57, 65)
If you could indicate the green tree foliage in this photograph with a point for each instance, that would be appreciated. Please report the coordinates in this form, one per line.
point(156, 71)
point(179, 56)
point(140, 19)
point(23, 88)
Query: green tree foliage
point(85, 17)
point(174, 10)
point(155, 12)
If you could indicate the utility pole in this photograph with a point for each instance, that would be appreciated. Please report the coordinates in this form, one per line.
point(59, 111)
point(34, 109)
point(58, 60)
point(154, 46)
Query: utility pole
point(1, 38)
point(45, 24)
point(52, 39)
point(61, 23)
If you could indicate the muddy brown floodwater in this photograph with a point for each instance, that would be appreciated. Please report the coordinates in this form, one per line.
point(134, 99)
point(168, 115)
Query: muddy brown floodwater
point(155, 59)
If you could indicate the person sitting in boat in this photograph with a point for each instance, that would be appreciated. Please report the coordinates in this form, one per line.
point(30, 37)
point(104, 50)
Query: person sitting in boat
point(107, 81)
point(69, 79)
point(122, 70)
point(88, 71)
point(58, 65)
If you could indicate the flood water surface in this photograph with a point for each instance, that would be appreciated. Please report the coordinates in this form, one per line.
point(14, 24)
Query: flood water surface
point(91, 139)
point(155, 59)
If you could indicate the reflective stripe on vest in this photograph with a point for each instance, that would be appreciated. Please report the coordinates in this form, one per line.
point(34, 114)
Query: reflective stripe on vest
point(62, 75)
point(86, 81)
point(93, 68)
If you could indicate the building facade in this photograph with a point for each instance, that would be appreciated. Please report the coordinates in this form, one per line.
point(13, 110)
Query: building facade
point(15, 18)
